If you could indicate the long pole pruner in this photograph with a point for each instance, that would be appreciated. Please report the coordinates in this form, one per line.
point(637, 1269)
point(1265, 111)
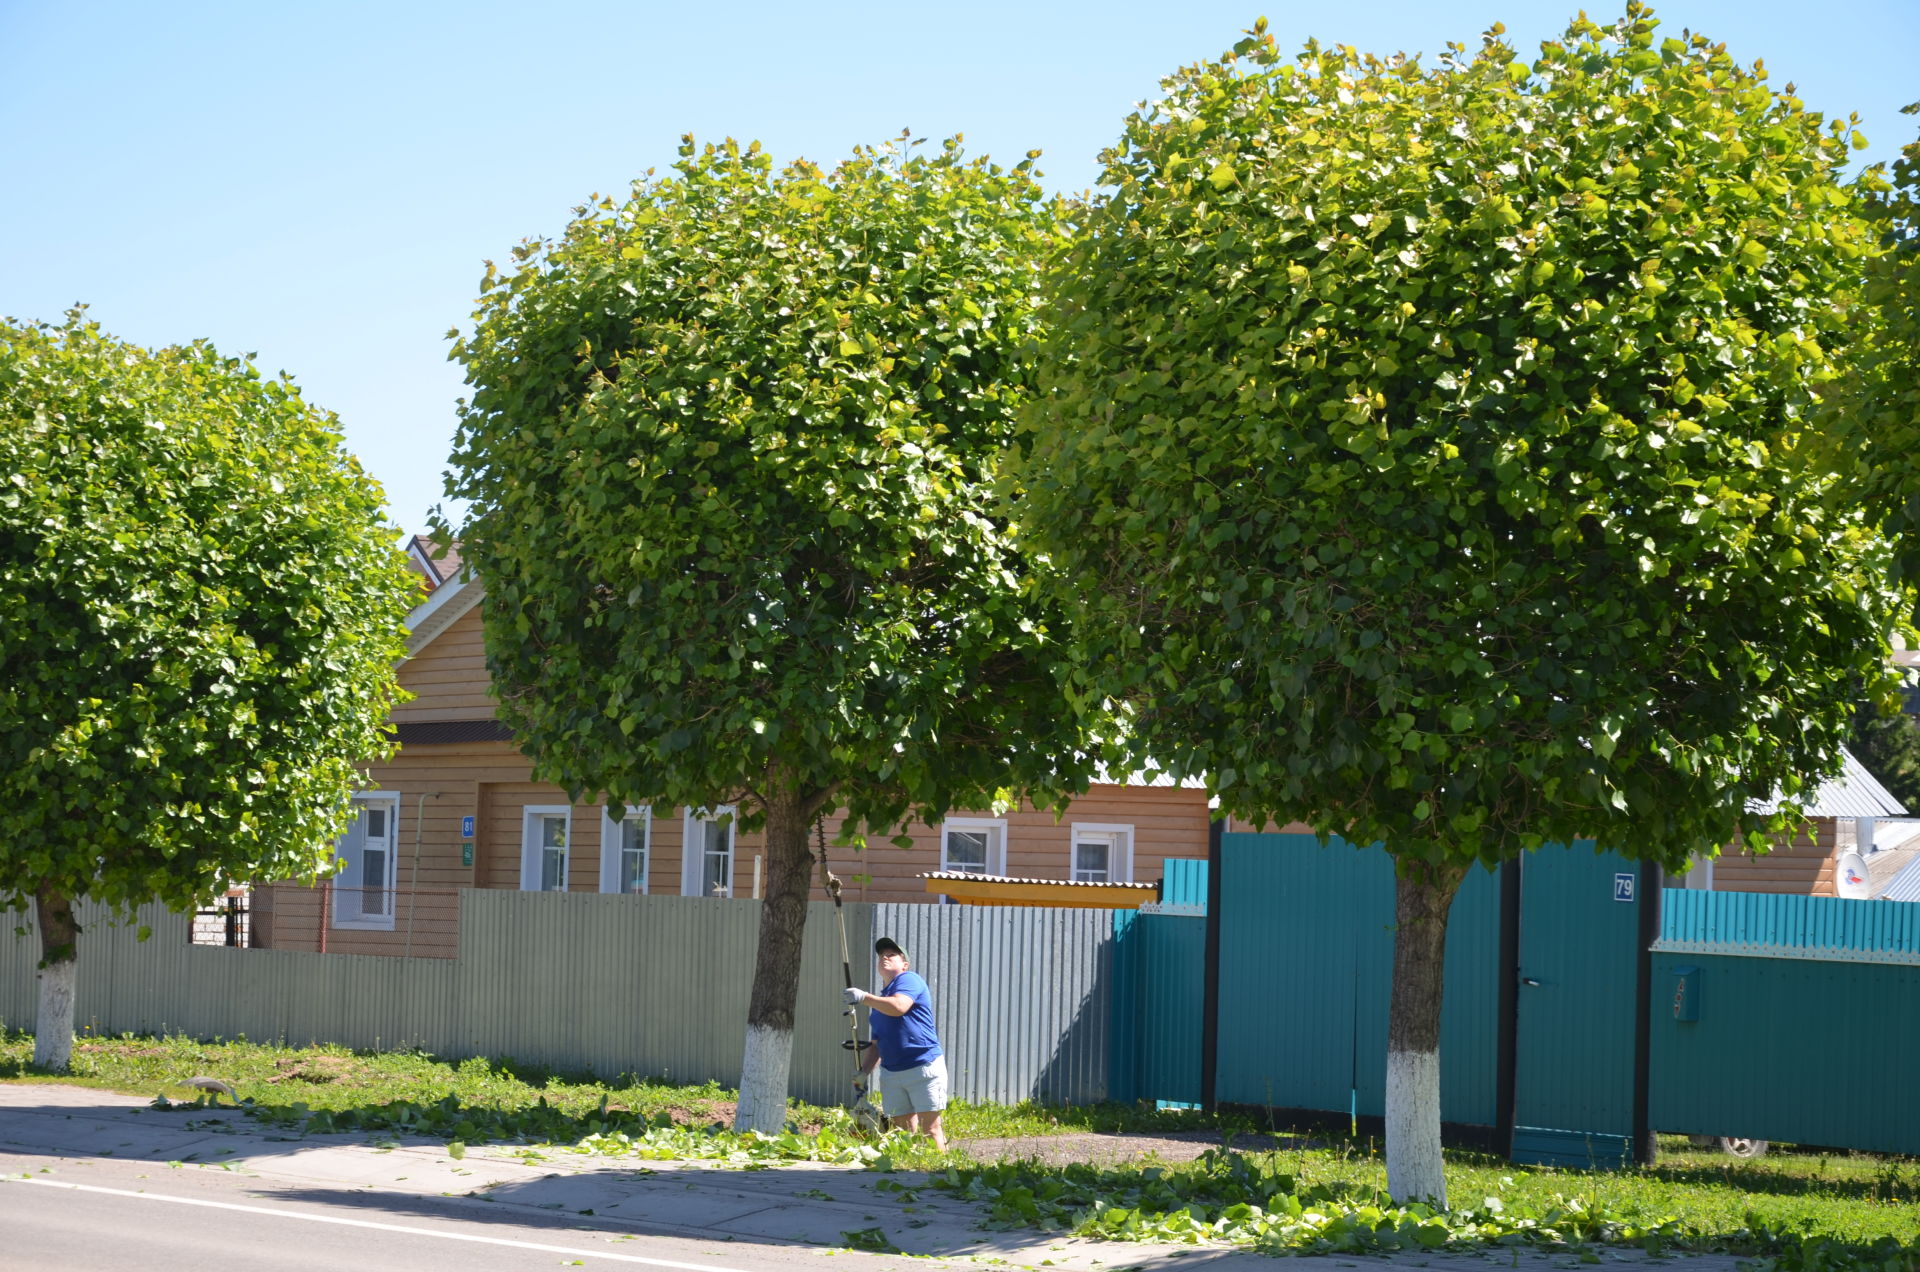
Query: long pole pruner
point(864, 1112)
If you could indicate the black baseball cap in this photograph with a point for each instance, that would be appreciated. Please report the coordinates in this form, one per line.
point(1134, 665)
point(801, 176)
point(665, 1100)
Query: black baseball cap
point(887, 945)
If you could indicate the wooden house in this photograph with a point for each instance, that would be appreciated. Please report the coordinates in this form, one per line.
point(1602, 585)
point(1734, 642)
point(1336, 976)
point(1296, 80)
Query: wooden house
point(457, 807)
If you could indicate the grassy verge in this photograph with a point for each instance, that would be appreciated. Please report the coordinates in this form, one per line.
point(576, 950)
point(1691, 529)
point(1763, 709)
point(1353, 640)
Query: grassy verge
point(352, 1088)
point(1803, 1212)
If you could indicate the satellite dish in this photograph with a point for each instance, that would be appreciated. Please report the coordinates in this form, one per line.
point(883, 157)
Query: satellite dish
point(1850, 877)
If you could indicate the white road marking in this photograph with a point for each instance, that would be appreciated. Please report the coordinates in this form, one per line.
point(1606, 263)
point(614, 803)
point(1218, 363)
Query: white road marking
point(368, 1223)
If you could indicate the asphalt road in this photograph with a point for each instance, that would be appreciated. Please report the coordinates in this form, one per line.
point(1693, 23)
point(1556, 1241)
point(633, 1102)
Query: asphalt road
point(125, 1215)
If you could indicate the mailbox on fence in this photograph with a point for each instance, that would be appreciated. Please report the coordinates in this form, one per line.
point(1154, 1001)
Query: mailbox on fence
point(1686, 993)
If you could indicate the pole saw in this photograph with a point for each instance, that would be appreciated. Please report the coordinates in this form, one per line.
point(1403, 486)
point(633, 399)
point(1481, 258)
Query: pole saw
point(865, 1115)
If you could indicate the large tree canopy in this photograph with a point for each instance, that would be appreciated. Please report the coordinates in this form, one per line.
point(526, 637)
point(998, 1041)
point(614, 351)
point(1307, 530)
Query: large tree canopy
point(730, 457)
point(200, 614)
point(1875, 414)
point(1428, 445)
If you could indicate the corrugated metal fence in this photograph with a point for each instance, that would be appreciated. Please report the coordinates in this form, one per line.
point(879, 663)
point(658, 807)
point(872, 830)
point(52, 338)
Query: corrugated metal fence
point(647, 985)
point(1796, 1017)
point(1306, 963)
point(1023, 995)
point(655, 986)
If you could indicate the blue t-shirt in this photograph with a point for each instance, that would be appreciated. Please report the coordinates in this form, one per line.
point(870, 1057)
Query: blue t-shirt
point(906, 1042)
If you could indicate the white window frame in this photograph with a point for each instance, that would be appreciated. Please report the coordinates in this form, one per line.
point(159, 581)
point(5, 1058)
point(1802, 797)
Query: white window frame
point(996, 828)
point(530, 846)
point(693, 864)
point(348, 900)
point(610, 848)
point(1119, 837)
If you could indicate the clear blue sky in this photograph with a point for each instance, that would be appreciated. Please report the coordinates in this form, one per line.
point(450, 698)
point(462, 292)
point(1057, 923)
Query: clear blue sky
point(320, 182)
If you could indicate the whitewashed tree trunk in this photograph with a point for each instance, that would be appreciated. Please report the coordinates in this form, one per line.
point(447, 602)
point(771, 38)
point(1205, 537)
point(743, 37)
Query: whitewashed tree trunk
point(763, 1079)
point(1423, 894)
point(1413, 1127)
point(776, 973)
point(53, 1017)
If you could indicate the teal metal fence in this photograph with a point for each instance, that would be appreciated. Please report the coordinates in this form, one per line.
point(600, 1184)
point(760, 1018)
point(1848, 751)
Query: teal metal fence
point(1183, 882)
point(1158, 1007)
point(1819, 928)
point(1787, 1019)
point(1306, 958)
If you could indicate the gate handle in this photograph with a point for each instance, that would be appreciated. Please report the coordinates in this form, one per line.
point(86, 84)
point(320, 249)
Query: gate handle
point(1528, 980)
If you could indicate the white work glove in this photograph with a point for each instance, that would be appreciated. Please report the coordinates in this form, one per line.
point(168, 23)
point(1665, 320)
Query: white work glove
point(855, 996)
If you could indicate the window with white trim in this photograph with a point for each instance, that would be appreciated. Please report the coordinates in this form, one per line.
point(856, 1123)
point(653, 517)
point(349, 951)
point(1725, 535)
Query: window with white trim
point(706, 854)
point(363, 890)
point(974, 845)
point(1101, 853)
point(624, 848)
point(546, 832)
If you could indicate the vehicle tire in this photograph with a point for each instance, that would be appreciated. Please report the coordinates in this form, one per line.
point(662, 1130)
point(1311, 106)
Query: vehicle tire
point(1740, 1146)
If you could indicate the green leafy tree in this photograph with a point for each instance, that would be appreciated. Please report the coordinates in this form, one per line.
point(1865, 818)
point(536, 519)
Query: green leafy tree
point(730, 458)
point(200, 613)
point(1887, 740)
point(1426, 447)
point(1875, 414)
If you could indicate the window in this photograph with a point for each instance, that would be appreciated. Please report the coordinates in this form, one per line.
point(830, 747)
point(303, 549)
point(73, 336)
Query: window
point(363, 890)
point(974, 845)
point(623, 850)
point(544, 837)
point(706, 859)
point(1101, 854)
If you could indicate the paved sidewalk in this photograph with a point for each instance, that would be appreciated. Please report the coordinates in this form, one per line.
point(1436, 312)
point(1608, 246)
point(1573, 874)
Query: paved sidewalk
point(807, 1205)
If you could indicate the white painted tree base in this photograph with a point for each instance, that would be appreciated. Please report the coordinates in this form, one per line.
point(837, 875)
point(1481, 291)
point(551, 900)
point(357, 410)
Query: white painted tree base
point(763, 1080)
point(1414, 1165)
point(53, 1023)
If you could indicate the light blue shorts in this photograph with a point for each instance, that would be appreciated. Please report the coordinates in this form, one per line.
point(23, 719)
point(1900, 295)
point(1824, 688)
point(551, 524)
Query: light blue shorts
point(921, 1090)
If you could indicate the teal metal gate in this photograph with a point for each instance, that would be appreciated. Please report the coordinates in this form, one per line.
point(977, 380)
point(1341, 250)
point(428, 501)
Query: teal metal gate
point(1575, 1025)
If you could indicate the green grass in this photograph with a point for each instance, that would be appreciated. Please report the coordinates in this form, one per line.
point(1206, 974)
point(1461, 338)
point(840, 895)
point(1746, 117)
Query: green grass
point(337, 1079)
point(1807, 1212)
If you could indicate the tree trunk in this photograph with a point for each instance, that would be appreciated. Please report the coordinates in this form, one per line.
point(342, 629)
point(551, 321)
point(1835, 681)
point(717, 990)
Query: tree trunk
point(53, 1021)
point(1423, 893)
point(776, 972)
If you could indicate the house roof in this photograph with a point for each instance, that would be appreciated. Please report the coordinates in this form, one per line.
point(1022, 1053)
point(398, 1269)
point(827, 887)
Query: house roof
point(437, 567)
point(1854, 793)
point(446, 604)
point(969, 876)
point(1905, 885)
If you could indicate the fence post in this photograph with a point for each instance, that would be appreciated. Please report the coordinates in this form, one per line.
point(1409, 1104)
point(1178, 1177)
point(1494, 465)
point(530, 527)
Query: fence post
point(1652, 883)
point(1507, 1044)
point(1210, 999)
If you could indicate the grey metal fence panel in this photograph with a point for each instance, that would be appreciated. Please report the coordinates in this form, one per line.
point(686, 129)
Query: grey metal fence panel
point(1023, 996)
point(622, 984)
point(656, 986)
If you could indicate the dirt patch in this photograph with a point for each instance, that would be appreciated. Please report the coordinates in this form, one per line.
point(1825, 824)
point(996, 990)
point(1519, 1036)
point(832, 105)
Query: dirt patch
point(1118, 1149)
point(318, 1070)
point(720, 1111)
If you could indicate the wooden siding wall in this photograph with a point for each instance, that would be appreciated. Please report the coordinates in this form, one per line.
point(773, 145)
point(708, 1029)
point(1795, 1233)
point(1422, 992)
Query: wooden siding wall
point(491, 782)
point(1803, 867)
point(449, 677)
